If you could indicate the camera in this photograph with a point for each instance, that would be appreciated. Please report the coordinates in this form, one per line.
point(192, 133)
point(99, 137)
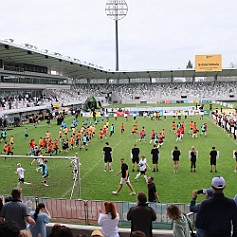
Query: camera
point(200, 191)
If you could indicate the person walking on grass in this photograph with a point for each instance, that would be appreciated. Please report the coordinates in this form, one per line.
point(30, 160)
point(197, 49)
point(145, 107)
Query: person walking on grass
point(107, 152)
point(124, 179)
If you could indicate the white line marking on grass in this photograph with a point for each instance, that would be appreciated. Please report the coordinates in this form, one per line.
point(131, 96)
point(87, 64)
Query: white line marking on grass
point(90, 170)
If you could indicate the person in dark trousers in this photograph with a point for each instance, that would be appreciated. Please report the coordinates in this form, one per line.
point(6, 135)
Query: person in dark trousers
point(176, 155)
point(141, 216)
point(213, 157)
point(218, 215)
point(155, 157)
point(152, 192)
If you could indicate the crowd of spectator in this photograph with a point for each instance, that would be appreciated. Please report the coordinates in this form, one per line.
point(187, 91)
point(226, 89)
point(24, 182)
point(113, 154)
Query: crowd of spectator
point(216, 216)
point(207, 90)
point(17, 221)
point(143, 91)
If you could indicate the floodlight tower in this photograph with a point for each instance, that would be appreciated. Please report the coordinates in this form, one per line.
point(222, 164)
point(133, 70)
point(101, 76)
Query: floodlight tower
point(116, 10)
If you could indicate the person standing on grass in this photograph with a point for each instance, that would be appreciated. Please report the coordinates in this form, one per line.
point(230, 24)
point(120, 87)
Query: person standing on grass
point(152, 192)
point(213, 157)
point(135, 157)
point(176, 155)
point(107, 152)
point(193, 158)
point(122, 128)
point(124, 179)
point(41, 217)
point(235, 157)
point(155, 157)
point(21, 174)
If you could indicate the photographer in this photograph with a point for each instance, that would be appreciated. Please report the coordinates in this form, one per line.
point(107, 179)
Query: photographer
point(195, 207)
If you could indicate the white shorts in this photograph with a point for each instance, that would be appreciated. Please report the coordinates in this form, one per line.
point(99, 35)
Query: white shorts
point(124, 181)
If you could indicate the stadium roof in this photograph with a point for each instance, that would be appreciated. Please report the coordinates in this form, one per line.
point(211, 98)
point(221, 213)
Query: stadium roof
point(78, 69)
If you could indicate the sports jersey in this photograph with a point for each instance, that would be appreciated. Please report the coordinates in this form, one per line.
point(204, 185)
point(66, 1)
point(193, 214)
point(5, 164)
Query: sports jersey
point(20, 171)
point(142, 164)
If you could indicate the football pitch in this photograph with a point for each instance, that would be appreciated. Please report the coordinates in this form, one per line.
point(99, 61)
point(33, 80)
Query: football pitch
point(98, 185)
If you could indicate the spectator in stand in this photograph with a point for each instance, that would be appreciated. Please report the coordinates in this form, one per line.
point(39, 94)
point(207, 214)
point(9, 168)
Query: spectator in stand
point(9, 229)
point(109, 220)
point(60, 231)
point(41, 216)
point(141, 216)
point(217, 215)
point(25, 233)
point(138, 233)
point(16, 211)
point(180, 222)
point(97, 233)
point(195, 207)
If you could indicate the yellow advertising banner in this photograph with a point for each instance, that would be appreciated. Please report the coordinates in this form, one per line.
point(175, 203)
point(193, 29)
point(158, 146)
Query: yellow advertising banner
point(208, 63)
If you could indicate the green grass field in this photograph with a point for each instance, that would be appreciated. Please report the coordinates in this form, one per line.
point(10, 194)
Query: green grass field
point(98, 185)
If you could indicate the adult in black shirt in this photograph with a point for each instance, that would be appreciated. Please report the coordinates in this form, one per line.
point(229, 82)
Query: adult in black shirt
point(176, 154)
point(155, 157)
point(107, 151)
point(152, 193)
point(135, 157)
point(213, 156)
point(124, 178)
point(141, 216)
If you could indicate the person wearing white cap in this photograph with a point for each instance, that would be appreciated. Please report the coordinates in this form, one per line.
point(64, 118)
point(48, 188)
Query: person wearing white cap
point(217, 215)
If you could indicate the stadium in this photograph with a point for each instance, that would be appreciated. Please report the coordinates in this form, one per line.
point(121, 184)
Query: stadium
point(40, 89)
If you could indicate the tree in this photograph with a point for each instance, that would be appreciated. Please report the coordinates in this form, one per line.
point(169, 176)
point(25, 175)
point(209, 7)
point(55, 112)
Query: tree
point(189, 65)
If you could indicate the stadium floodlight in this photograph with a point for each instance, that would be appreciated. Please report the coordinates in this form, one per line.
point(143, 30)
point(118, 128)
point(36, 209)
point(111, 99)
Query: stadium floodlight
point(116, 10)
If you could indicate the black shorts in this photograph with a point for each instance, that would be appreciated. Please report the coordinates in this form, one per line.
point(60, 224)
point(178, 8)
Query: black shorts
point(213, 162)
point(154, 161)
point(107, 159)
point(135, 160)
point(143, 172)
point(175, 159)
point(21, 180)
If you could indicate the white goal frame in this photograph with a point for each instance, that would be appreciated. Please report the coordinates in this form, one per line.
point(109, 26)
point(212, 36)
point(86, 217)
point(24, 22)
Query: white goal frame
point(76, 180)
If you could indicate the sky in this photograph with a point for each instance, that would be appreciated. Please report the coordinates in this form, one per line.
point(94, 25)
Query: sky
point(154, 35)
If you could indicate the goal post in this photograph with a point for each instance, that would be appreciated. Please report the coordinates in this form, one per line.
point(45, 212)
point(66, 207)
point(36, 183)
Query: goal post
point(74, 160)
